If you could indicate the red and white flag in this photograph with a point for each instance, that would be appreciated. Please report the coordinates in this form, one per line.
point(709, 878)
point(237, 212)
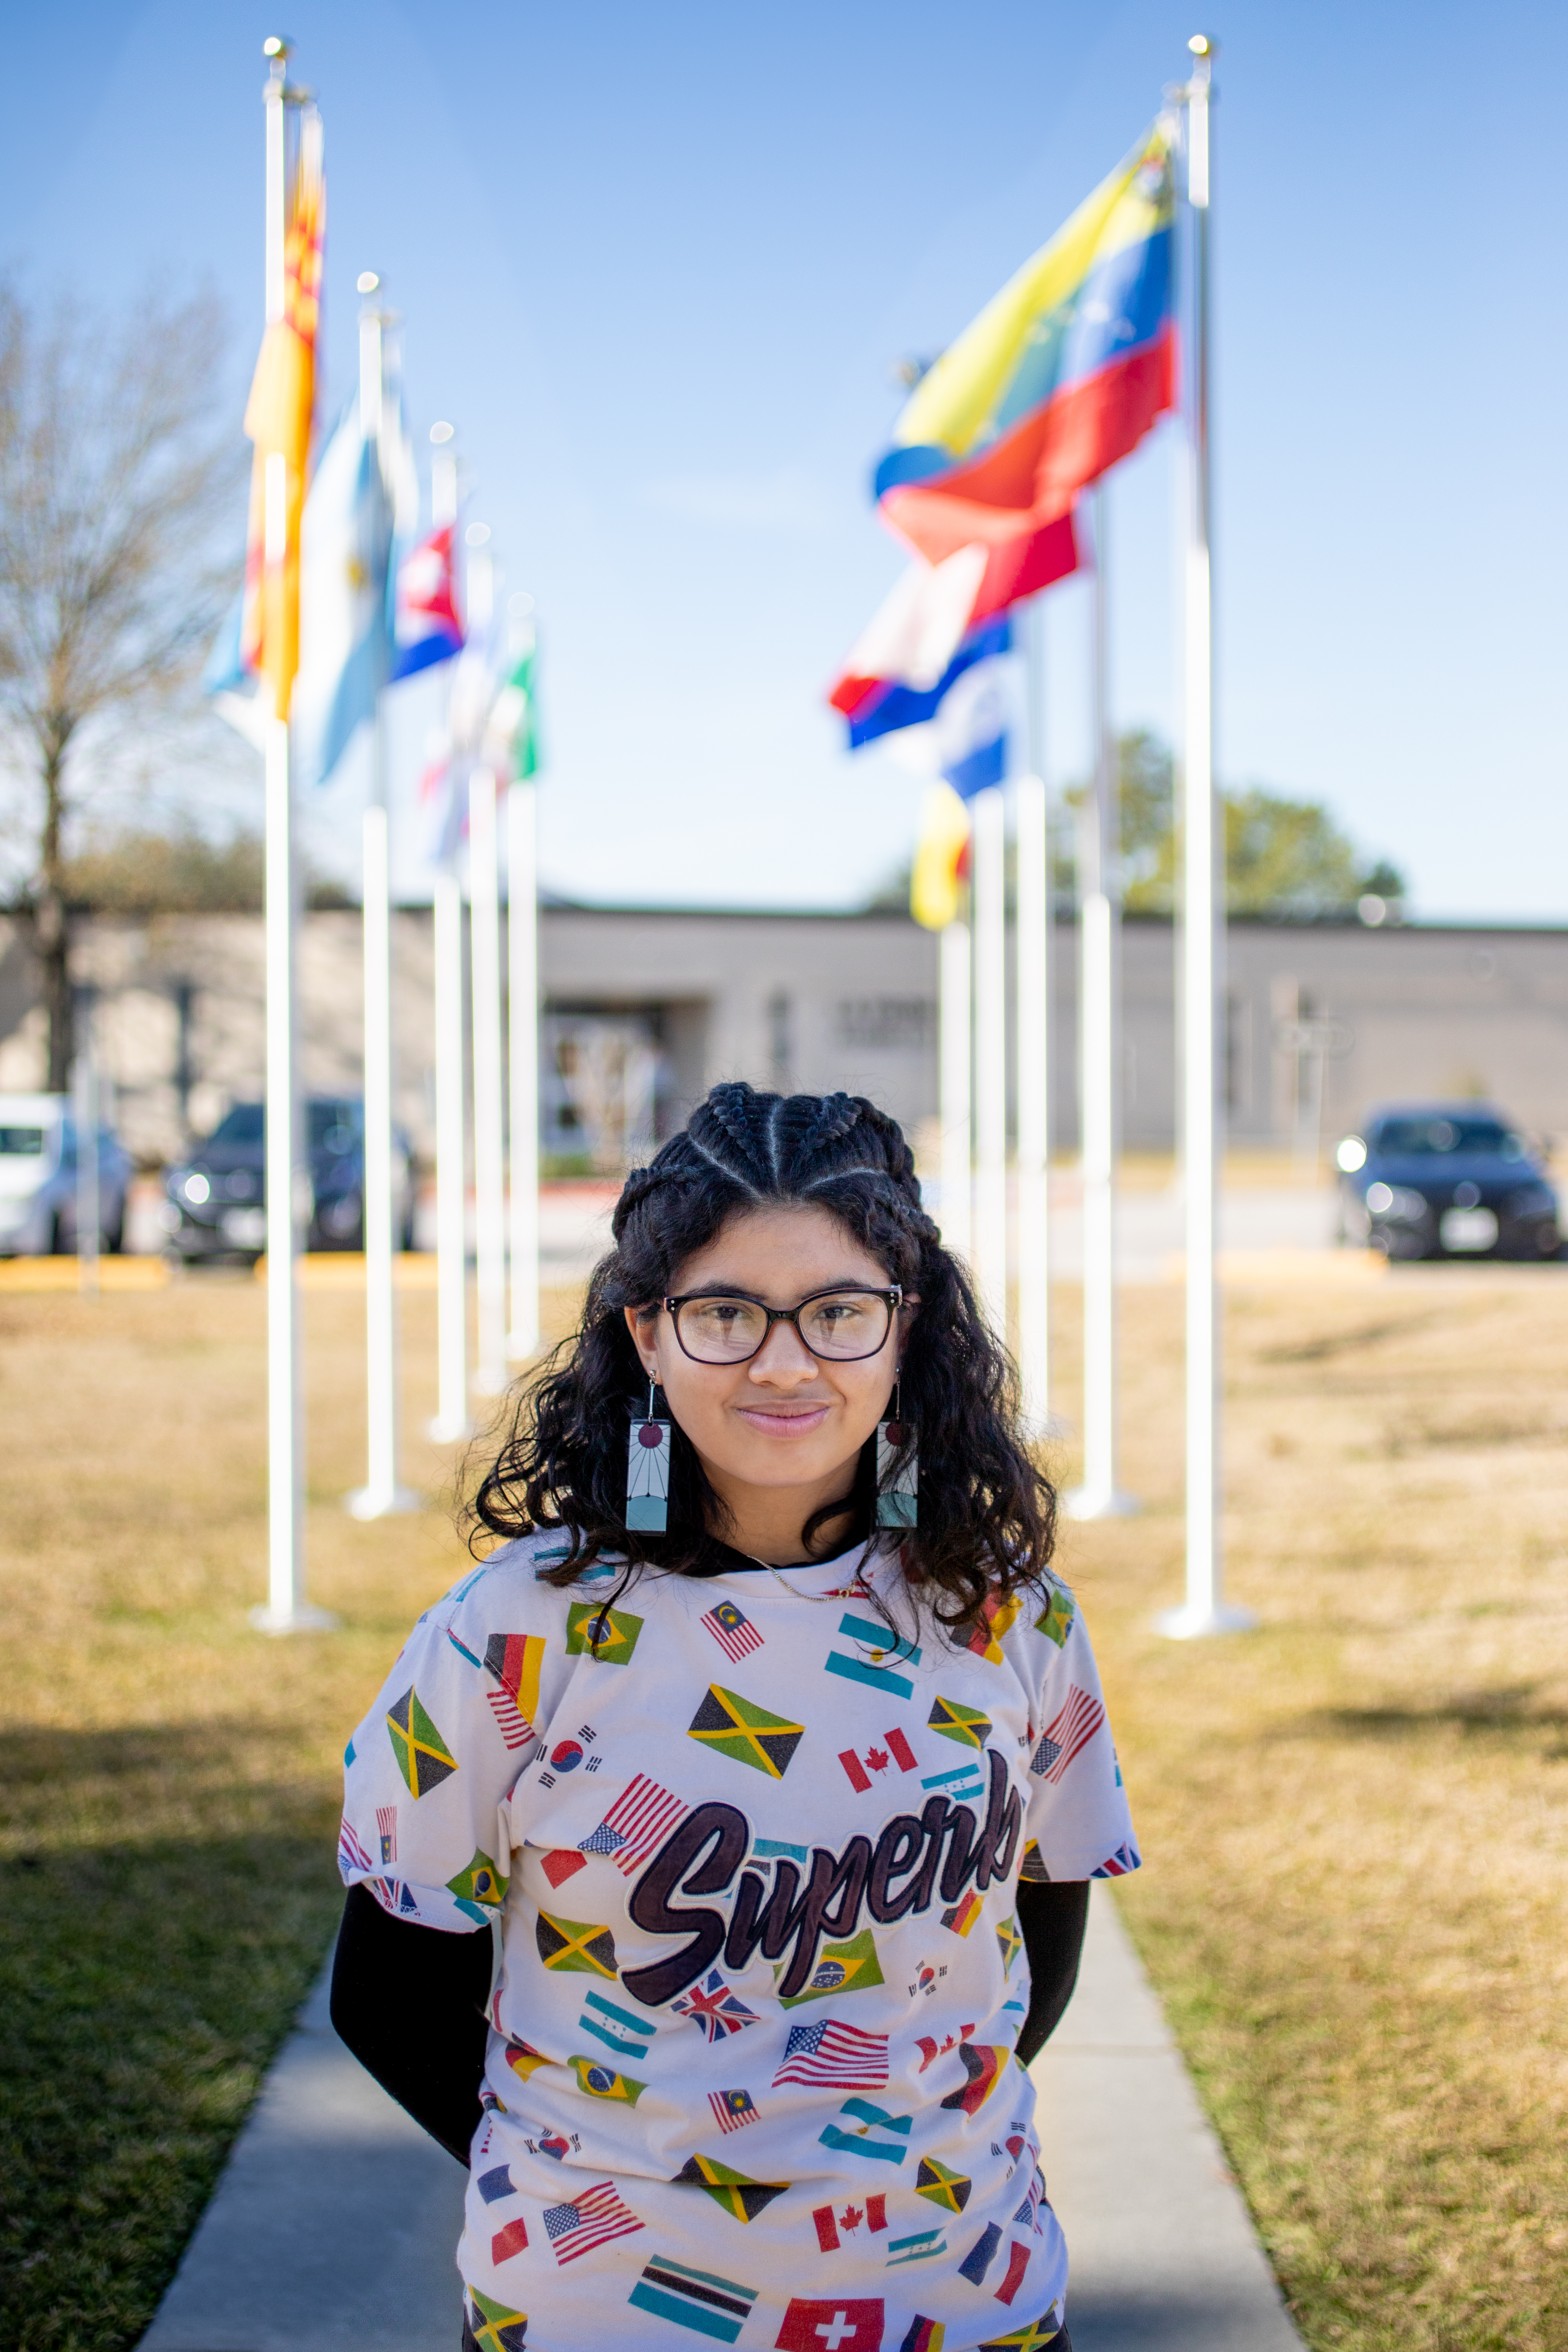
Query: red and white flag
point(830, 2222)
point(862, 1763)
point(853, 2326)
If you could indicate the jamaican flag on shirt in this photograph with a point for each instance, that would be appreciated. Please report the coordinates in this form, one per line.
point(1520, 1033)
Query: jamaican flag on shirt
point(738, 2195)
point(423, 1756)
point(965, 1723)
point(740, 1728)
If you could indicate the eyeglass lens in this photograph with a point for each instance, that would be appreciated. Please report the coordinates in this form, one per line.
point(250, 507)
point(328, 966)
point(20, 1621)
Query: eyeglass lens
point(842, 1326)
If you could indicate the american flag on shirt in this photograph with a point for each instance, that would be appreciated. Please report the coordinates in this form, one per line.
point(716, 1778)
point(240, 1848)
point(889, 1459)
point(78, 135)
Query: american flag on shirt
point(590, 2221)
point(834, 2057)
point(1068, 1732)
point(734, 1630)
point(351, 1855)
point(640, 1819)
point(714, 2008)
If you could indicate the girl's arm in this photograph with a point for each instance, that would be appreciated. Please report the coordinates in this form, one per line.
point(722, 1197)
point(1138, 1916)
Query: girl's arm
point(409, 2001)
point(1052, 1915)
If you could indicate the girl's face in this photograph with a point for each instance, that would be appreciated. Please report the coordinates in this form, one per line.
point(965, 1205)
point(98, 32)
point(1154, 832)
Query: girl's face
point(783, 1419)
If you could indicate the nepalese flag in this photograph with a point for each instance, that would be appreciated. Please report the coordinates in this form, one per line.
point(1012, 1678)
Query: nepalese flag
point(589, 2220)
point(734, 1630)
point(847, 2324)
point(1067, 1732)
point(1061, 375)
point(427, 627)
point(640, 1819)
point(714, 2008)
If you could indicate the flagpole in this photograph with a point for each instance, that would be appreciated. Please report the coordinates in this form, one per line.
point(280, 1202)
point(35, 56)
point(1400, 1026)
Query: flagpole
point(287, 1610)
point(522, 990)
point(1205, 1609)
point(989, 818)
point(1032, 963)
point(381, 1494)
point(954, 1084)
point(1098, 1496)
point(489, 1146)
point(451, 1422)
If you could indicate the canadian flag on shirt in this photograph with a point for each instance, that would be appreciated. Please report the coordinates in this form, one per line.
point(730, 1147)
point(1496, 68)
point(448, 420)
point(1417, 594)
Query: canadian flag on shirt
point(864, 1764)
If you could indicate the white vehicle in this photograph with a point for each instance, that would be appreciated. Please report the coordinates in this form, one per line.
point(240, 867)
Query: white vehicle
point(37, 1178)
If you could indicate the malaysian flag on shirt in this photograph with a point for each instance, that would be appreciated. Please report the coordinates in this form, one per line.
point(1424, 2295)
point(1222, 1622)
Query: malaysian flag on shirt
point(734, 1630)
point(590, 2221)
point(836, 2057)
point(640, 1819)
point(1067, 1732)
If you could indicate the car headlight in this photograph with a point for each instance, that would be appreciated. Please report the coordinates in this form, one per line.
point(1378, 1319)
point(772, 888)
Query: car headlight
point(196, 1188)
point(1397, 1201)
point(1352, 1154)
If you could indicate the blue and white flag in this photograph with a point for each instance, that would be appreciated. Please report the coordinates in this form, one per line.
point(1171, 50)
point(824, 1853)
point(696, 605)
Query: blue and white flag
point(957, 728)
point(345, 638)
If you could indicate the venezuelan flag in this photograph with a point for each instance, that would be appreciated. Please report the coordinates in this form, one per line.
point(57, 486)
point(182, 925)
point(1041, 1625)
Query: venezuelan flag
point(1061, 375)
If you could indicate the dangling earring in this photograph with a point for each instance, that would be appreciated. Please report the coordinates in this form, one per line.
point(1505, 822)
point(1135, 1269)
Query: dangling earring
point(648, 1470)
point(898, 1490)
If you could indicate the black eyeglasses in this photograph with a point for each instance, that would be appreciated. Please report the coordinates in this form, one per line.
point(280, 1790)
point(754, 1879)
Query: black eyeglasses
point(841, 1327)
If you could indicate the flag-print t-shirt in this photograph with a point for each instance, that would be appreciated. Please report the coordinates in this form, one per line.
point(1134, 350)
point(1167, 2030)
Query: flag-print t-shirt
point(755, 1854)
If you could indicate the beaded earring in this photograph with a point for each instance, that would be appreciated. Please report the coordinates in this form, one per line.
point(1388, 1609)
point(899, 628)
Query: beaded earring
point(898, 1490)
point(648, 1470)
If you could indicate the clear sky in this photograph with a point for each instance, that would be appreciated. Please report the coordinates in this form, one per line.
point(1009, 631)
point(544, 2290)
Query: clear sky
point(656, 264)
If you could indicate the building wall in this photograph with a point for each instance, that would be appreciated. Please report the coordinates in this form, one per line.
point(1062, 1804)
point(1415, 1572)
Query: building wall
point(820, 1002)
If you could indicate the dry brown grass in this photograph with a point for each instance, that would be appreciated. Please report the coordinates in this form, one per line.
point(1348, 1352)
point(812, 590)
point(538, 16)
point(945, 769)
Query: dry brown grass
point(1355, 1817)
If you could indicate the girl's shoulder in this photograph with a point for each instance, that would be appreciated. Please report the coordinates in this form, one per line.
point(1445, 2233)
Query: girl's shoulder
point(515, 1581)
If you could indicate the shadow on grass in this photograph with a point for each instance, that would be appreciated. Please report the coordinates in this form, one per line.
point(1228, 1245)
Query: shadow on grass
point(1508, 1709)
point(146, 1980)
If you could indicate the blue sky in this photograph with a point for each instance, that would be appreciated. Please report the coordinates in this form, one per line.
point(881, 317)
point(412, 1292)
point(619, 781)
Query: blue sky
point(657, 264)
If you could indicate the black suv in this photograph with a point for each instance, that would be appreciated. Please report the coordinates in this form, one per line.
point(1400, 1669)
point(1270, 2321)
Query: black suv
point(1445, 1179)
point(217, 1203)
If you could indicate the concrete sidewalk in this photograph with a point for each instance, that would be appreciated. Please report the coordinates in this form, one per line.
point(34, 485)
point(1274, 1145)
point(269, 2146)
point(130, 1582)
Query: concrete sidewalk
point(334, 2223)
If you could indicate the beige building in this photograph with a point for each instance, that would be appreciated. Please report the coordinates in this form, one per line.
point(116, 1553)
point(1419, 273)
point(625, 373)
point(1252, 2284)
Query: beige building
point(645, 1008)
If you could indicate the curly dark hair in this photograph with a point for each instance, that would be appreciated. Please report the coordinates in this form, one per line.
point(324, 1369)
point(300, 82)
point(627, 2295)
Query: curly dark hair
point(986, 1513)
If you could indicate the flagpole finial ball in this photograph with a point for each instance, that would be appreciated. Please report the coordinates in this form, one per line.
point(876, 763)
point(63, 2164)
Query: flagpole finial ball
point(1201, 45)
point(440, 433)
point(477, 534)
point(366, 282)
point(276, 45)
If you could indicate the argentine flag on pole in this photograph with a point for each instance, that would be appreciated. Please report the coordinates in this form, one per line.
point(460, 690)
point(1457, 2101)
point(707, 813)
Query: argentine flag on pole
point(345, 638)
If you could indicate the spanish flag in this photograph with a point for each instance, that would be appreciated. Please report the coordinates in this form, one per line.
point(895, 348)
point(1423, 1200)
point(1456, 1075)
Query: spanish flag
point(278, 419)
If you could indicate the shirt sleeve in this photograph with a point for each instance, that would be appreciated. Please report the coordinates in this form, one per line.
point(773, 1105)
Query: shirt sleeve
point(427, 1773)
point(1078, 1824)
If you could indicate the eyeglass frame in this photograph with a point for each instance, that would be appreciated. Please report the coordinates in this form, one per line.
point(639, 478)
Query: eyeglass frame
point(892, 1297)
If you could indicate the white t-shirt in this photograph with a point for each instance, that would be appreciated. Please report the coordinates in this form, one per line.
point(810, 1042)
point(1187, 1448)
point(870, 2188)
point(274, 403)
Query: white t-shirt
point(754, 1856)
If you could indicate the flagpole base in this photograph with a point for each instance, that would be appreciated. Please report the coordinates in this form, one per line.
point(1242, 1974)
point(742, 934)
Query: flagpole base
point(442, 1432)
point(381, 1502)
point(303, 1619)
point(1190, 1624)
point(1099, 1503)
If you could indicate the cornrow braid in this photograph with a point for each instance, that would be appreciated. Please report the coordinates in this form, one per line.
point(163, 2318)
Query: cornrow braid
point(988, 1514)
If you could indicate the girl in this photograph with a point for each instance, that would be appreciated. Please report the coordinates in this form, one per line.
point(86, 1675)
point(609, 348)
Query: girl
point(776, 1760)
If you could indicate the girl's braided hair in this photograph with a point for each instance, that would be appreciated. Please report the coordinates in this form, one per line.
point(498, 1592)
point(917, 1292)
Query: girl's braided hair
point(987, 1515)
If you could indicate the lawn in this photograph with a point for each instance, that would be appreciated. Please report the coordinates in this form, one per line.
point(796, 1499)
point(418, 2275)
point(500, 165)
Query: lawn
point(1355, 1817)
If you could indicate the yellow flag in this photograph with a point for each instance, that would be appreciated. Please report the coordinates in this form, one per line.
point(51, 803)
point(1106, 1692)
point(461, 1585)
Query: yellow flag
point(277, 420)
point(942, 857)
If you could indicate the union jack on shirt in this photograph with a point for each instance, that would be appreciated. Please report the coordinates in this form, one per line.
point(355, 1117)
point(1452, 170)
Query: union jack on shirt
point(714, 2008)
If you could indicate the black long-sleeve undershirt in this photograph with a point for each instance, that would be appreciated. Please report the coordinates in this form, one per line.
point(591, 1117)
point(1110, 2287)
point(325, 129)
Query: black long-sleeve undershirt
point(409, 2001)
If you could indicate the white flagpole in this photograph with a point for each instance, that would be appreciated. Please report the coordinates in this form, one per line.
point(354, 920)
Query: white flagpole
point(954, 1084)
point(287, 1610)
point(1205, 1609)
point(1098, 1496)
point(381, 1493)
point(489, 1148)
point(84, 1107)
point(451, 1422)
point(1032, 961)
point(989, 818)
point(522, 986)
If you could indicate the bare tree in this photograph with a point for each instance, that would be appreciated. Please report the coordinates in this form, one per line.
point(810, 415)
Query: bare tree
point(118, 468)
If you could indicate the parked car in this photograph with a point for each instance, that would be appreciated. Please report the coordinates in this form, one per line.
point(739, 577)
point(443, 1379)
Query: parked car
point(37, 1178)
point(1445, 1179)
point(217, 1203)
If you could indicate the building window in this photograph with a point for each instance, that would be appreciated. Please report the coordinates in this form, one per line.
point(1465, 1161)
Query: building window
point(886, 1024)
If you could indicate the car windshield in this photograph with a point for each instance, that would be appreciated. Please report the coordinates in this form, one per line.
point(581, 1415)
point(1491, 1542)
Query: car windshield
point(335, 1127)
point(1420, 1139)
point(244, 1124)
point(21, 1142)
